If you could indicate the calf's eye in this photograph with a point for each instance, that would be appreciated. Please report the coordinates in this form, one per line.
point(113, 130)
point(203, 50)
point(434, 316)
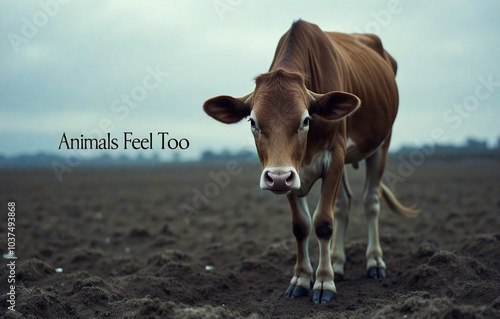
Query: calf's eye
point(252, 122)
point(305, 122)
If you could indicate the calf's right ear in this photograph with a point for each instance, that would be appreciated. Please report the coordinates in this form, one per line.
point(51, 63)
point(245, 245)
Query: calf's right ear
point(227, 109)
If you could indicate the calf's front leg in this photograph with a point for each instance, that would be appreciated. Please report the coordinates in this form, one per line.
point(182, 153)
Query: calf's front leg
point(324, 288)
point(301, 224)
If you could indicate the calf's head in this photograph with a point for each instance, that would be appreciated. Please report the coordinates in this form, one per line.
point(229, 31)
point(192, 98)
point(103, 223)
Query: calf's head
point(280, 113)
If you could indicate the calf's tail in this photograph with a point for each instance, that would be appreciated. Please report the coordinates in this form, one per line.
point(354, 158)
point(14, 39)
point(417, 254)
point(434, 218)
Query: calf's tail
point(395, 205)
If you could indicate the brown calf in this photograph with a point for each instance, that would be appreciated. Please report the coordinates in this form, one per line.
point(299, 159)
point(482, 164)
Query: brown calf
point(329, 99)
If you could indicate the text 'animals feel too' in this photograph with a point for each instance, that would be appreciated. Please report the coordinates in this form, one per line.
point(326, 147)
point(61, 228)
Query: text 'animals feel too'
point(129, 142)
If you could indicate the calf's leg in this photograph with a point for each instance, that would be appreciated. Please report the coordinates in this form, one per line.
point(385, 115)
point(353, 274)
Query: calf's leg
point(375, 164)
point(301, 225)
point(341, 214)
point(324, 288)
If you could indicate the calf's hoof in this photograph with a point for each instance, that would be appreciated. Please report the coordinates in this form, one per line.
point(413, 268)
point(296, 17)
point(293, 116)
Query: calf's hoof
point(295, 291)
point(376, 273)
point(323, 296)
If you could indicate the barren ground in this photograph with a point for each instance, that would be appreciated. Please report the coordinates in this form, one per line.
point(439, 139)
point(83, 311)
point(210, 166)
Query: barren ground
point(127, 252)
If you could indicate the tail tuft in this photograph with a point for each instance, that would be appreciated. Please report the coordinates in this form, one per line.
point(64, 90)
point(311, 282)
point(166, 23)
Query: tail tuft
point(395, 205)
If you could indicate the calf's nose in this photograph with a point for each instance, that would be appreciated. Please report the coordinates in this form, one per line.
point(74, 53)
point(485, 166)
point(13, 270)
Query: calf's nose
point(280, 181)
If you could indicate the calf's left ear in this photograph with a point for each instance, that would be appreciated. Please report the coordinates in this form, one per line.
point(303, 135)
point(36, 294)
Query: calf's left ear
point(333, 105)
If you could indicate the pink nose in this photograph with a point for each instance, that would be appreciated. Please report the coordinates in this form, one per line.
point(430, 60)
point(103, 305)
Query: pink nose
point(281, 181)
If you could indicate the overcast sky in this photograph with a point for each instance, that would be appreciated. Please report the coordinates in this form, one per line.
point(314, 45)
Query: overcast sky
point(68, 71)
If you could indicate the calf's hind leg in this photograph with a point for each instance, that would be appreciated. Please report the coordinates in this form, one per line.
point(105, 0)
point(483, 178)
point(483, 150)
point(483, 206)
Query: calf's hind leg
point(375, 165)
point(341, 219)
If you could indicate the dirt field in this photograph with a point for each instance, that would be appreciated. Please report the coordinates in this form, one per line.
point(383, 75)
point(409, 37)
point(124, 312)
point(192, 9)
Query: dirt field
point(126, 251)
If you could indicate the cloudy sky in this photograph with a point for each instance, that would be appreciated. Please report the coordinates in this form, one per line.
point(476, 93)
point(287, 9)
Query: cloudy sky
point(70, 67)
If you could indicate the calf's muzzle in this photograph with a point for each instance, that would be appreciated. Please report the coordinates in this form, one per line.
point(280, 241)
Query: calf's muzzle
point(280, 180)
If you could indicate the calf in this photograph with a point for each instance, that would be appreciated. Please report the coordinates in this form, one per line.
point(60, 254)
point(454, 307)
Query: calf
point(329, 99)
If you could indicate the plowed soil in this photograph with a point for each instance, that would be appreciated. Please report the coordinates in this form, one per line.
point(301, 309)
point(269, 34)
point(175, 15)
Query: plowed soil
point(126, 251)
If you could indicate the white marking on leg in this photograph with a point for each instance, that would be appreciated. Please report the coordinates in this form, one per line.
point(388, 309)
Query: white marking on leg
point(324, 272)
point(372, 210)
point(324, 275)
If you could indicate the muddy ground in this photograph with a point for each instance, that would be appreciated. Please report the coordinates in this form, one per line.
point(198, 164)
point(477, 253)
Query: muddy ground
point(127, 252)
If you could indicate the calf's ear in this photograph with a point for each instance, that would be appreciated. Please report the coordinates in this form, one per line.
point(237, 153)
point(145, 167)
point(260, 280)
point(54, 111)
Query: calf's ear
point(333, 105)
point(227, 109)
